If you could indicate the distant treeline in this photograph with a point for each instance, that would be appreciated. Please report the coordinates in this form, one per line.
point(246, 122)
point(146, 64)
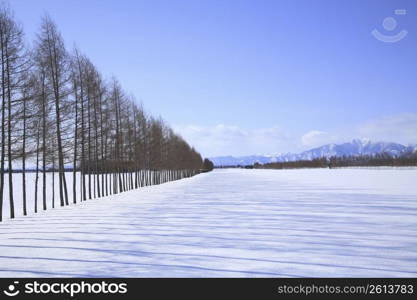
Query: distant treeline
point(208, 165)
point(376, 160)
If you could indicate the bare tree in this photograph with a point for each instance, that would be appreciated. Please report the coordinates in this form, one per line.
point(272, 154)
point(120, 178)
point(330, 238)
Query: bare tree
point(51, 52)
point(12, 62)
point(58, 110)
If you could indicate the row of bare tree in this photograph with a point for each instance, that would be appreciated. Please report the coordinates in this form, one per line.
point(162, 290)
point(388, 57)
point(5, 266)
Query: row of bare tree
point(59, 115)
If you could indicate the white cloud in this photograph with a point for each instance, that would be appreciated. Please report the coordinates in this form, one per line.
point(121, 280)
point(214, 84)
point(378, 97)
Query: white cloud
point(223, 139)
point(220, 140)
point(316, 138)
point(399, 128)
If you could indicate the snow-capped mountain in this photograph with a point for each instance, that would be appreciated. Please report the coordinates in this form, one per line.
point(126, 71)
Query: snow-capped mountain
point(356, 147)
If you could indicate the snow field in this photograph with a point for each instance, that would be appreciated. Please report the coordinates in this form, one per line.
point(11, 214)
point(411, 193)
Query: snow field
point(229, 223)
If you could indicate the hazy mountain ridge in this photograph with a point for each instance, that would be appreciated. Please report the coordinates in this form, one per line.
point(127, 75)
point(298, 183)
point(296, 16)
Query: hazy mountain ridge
point(355, 147)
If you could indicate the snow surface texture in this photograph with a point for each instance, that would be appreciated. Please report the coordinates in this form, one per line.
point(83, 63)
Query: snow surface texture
point(231, 222)
point(30, 192)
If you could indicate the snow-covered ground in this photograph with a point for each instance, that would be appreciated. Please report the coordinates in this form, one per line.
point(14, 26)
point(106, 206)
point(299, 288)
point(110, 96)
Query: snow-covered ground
point(318, 222)
point(30, 191)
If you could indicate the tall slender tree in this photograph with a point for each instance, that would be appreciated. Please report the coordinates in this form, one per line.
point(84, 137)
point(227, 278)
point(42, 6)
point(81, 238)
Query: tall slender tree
point(57, 110)
point(52, 53)
point(12, 60)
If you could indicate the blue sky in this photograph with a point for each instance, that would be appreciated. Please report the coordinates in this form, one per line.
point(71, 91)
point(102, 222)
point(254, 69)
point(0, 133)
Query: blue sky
point(244, 77)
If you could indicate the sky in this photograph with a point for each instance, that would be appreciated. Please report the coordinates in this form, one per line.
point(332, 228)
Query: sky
point(242, 77)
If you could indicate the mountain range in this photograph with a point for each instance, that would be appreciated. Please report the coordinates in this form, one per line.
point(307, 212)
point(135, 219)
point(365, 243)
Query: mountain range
point(355, 147)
